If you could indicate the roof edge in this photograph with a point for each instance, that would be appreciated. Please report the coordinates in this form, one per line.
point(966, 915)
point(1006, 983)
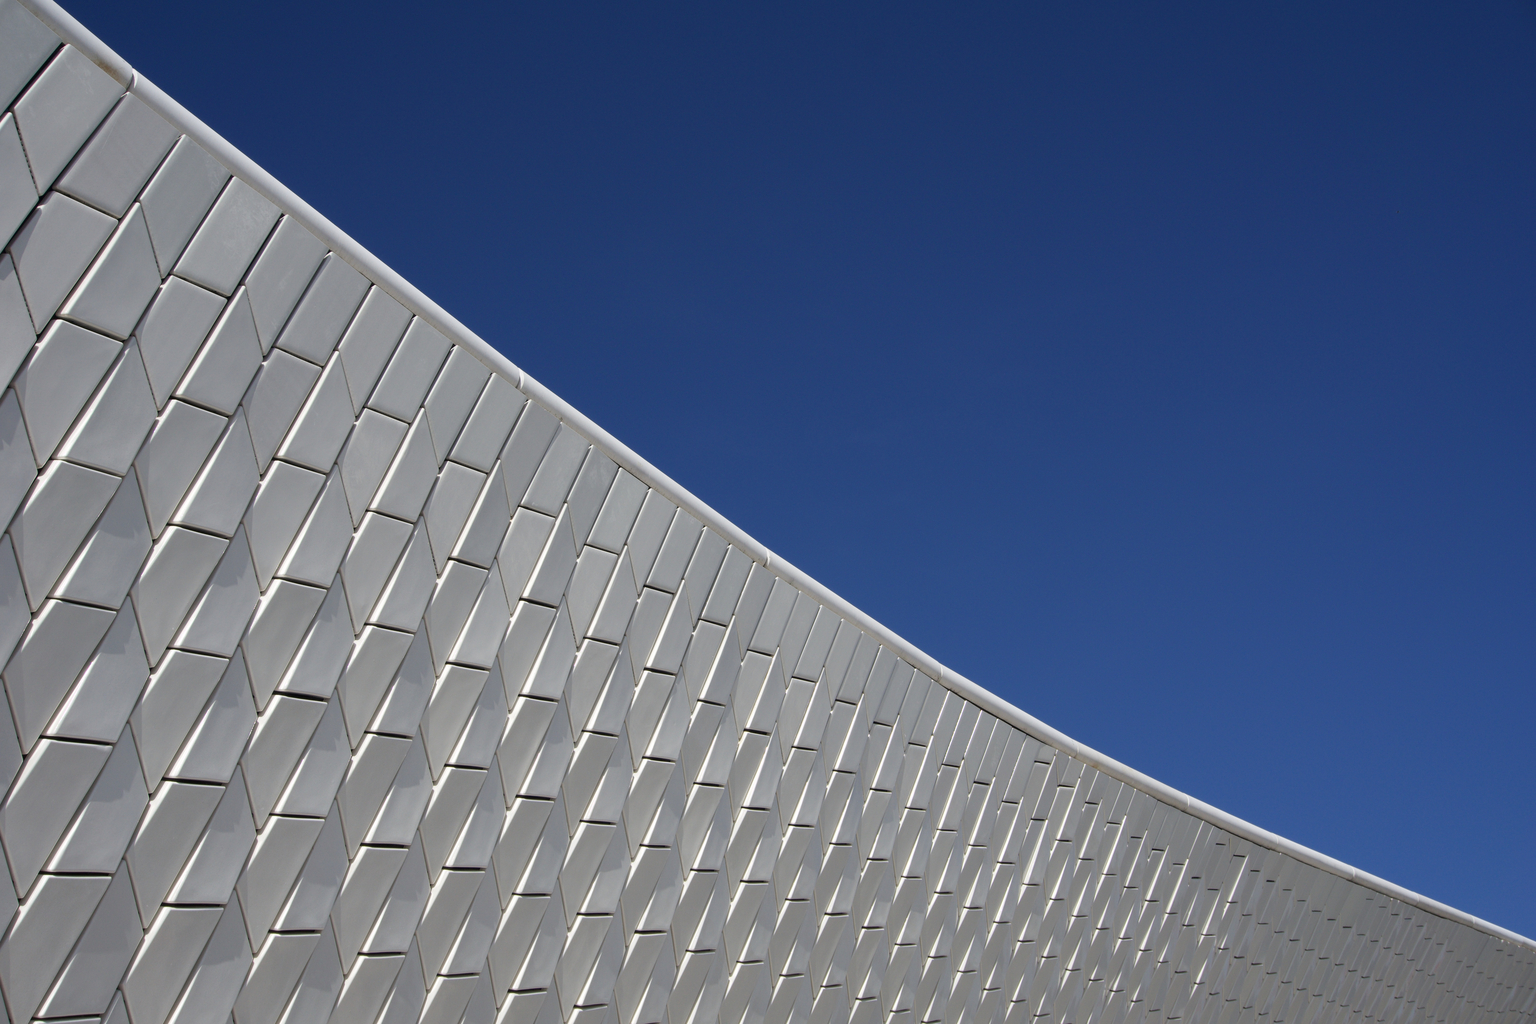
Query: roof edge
point(353, 252)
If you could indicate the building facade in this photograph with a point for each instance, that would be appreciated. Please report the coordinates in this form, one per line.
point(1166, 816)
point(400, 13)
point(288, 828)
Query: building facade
point(353, 676)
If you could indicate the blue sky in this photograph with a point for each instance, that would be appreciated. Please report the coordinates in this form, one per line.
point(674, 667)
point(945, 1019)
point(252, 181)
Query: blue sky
point(1169, 372)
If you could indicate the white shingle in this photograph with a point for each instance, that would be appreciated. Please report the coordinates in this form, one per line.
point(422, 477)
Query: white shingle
point(111, 430)
point(369, 343)
point(170, 951)
point(482, 634)
point(479, 738)
point(589, 581)
point(273, 976)
point(177, 814)
point(53, 249)
point(173, 330)
point(405, 596)
point(51, 525)
point(370, 669)
point(451, 892)
point(218, 619)
point(281, 618)
point(16, 334)
point(373, 870)
point(525, 729)
point(453, 397)
point(170, 706)
point(320, 658)
point(43, 800)
point(227, 362)
point(17, 470)
point(649, 531)
point(120, 283)
point(452, 601)
point(325, 310)
point(60, 110)
point(227, 241)
point(88, 980)
point(218, 498)
point(367, 457)
point(400, 712)
point(487, 524)
point(594, 746)
point(525, 448)
point(370, 560)
point(313, 784)
point(323, 540)
point(318, 883)
point(57, 381)
point(489, 424)
point(590, 492)
point(411, 371)
point(749, 606)
point(448, 508)
point(367, 987)
point(171, 458)
point(17, 192)
point(318, 986)
point(522, 933)
point(109, 687)
point(557, 471)
point(282, 734)
point(213, 746)
point(280, 506)
point(44, 932)
point(25, 43)
point(110, 558)
point(216, 981)
point(648, 616)
point(548, 675)
point(770, 624)
point(280, 275)
point(682, 537)
point(611, 619)
point(410, 477)
point(704, 568)
point(274, 401)
point(403, 905)
point(180, 563)
point(124, 152)
point(555, 565)
point(447, 998)
point(178, 198)
point(525, 540)
point(397, 821)
point(526, 637)
point(323, 423)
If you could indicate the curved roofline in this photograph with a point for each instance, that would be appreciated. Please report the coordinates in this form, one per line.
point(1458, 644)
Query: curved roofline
point(344, 245)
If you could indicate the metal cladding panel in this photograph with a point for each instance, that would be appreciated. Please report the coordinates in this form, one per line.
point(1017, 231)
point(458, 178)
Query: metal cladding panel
point(350, 678)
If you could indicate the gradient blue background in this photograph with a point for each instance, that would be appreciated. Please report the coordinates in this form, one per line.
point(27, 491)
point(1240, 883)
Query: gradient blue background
point(1168, 372)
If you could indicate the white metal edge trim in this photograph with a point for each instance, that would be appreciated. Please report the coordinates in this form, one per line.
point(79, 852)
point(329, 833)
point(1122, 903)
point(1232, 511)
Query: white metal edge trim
point(78, 36)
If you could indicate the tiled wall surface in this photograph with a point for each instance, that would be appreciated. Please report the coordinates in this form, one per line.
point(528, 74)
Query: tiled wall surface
point(345, 684)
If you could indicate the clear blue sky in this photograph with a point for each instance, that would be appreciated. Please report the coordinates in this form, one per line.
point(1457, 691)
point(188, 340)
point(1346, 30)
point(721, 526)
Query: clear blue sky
point(1168, 371)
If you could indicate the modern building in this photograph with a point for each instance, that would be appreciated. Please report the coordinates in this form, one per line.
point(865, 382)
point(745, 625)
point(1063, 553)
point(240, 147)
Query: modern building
point(353, 676)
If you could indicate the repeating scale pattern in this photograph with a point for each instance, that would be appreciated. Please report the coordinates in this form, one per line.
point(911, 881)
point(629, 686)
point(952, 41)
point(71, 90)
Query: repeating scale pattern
point(344, 683)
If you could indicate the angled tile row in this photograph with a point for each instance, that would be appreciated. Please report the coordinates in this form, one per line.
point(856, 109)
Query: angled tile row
point(344, 683)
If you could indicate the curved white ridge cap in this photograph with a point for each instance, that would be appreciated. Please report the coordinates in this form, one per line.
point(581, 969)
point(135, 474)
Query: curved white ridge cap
point(349, 249)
